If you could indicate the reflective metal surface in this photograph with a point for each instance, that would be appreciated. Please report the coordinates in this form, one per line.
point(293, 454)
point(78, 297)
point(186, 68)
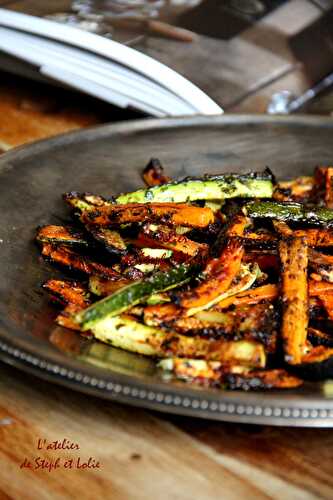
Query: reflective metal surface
point(108, 160)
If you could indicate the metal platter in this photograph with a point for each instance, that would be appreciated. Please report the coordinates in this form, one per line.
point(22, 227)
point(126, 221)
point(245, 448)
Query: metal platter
point(109, 160)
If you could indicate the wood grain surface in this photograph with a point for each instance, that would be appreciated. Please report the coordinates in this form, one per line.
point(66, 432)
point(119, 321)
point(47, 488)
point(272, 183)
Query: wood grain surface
point(146, 455)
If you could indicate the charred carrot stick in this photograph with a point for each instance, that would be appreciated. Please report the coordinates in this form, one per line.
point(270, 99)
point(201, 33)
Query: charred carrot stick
point(69, 292)
point(219, 274)
point(74, 261)
point(314, 237)
point(324, 184)
point(252, 296)
point(168, 213)
point(153, 174)
point(294, 260)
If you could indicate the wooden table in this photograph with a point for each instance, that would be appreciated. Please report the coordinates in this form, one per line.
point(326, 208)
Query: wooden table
point(142, 454)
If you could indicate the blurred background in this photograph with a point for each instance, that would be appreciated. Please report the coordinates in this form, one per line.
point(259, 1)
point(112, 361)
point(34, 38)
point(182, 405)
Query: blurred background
point(250, 56)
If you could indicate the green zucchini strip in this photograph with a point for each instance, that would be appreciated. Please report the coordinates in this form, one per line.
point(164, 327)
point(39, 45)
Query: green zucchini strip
point(133, 294)
point(58, 235)
point(289, 212)
point(216, 187)
point(128, 334)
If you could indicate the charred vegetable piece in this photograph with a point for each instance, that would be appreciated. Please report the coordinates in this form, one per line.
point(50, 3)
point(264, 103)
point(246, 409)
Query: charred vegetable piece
point(74, 261)
point(324, 184)
point(147, 257)
point(252, 296)
point(158, 298)
point(241, 227)
point(242, 352)
point(314, 237)
point(58, 235)
point(237, 226)
point(168, 313)
point(294, 260)
point(262, 379)
point(127, 333)
point(109, 238)
point(165, 237)
point(167, 213)
point(153, 174)
point(205, 372)
point(236, 377)
point(133, 294)
point(155, 315)
point(210, 187)
point(258, 322)
point(124, 332)
point(103, 287)
point(68, 292)
point(84, 201)
point(320, 287)
point(218, 276)
point(268, 292)
point(289, 212)
point(298, 189)
point(65, 318)
point(266, 259)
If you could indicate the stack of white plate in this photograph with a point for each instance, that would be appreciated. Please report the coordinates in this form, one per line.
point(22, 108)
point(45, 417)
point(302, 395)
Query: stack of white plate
point(97, 66)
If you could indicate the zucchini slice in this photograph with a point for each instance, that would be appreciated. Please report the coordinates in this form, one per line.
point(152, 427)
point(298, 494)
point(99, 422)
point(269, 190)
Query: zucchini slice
point(84, 201)
point(209, 187)
point(133, 294)
point(109, 238)
point(126, 333)
point(102, 286)
point(289, 212)
point(58, 235)
point(257, 322)
point(294, 260)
